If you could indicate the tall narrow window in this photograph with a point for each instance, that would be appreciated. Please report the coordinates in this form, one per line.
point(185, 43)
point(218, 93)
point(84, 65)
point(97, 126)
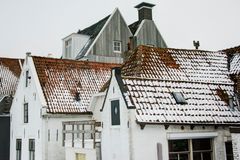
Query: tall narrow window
point(117, 46)
point(229, 150)
point(31, 149)
point(115, 112)
point(25, 112)
point(27, 75)
point(68, 48)
point(18, 149)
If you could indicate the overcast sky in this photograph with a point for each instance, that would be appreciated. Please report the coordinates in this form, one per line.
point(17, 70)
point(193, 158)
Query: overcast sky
point(38, 26)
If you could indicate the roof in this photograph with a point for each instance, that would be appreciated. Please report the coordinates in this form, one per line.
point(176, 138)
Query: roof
point(68, 85)
point(134, 26)
point(232, 50)
point(144, 4)
point(91, 31)
point(10, 70)
point(152, 75)
point(235, 64)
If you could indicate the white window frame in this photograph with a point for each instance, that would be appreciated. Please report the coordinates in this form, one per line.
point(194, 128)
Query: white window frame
point(68, 48)
point(117, 46)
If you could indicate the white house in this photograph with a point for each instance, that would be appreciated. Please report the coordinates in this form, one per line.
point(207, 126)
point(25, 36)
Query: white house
point(108, 39)
point(170, 104)
point(51, 91)
point(10, 69)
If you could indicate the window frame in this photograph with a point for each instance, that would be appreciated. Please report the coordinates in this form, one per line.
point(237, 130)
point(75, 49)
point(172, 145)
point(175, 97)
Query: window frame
point(18, 149)
point(117, 46)
point(115, 121)
point(25, 113)
point(68, 48)
point(191, 150)
point(31, 148)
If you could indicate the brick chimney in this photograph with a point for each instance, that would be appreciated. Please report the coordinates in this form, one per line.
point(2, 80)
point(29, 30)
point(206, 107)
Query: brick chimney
point(144, 11)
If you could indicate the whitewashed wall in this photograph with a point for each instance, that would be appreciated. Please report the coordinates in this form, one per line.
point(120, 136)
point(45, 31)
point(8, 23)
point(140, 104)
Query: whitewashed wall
point(236, 145)
point(39, 123)
point(115, 139)
point(78, 42)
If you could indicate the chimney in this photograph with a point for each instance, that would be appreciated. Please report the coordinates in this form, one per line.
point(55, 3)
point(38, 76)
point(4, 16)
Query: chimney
point(144, 11)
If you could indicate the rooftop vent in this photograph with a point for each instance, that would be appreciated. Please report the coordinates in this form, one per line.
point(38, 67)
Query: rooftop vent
point(77, 96)
point(196, 44)
point(144, 11)
point(178, 96)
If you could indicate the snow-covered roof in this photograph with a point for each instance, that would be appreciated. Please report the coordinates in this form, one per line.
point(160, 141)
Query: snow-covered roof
point(68, 85)
point(235, 64)
point(10, 70)
point(152, 75)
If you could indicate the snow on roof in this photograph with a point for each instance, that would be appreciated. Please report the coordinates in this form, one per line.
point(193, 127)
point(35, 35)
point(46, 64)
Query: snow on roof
point(235, 64)
point(178, 64)
point(68, 85)
point(152, 75)
point(10, 70)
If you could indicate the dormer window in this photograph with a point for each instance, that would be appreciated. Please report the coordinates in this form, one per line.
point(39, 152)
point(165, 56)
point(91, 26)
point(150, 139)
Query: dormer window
point(178, 96)
point(117, 46)
point(68, 47)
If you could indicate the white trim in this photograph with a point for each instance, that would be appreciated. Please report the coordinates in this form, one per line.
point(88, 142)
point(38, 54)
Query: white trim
point(191, 135)
point(144, 7)
point(139, 27)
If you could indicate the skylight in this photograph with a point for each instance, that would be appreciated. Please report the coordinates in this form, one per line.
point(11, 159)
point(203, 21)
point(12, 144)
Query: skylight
point(178, 96)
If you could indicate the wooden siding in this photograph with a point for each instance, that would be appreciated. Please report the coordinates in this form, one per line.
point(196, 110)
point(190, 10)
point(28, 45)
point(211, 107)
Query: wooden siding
point(148, 34)
point(116, 29)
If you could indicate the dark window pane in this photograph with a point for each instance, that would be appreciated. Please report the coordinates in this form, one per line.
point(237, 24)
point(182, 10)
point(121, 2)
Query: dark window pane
point(229, 150)
point(207, 155)
point(183, 157)
point(197, 156)
point(178, 145)
point(201, 144)
point(115, 112)
point(173, 157)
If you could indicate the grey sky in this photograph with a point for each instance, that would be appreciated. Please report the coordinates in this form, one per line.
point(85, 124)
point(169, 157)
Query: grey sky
point(38, 26)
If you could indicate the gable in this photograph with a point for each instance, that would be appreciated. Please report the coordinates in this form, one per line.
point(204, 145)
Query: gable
point(101, 48)
point(147, 33)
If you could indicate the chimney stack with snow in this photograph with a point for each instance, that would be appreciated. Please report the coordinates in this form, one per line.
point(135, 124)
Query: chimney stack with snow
point(144, 11)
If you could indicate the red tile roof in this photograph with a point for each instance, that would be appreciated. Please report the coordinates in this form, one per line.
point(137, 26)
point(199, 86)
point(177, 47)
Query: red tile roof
point(10, 70)
point(152, 74)
point(65, 81)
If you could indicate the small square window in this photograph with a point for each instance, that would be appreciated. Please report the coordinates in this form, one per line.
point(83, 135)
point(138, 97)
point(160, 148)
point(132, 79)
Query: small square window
point(178, 96)
point(117, 46)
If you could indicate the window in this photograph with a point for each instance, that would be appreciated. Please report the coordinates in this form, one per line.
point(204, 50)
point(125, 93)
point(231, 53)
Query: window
point(25, 112)
point(190, 149)
point(178, 96)
point(117, 46)
point(31, 149)
point(115, 112)
point(18, 149)
point(27, 78)
point(68, 48)
point(229, 150)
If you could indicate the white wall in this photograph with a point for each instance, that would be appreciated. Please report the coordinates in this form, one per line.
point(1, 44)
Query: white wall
point(78, 42)
point(236, 145)
point(115, 139)
point(32, 129)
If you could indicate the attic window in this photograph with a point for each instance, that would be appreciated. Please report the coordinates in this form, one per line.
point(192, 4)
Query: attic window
point(178, 96)
point(117, 46)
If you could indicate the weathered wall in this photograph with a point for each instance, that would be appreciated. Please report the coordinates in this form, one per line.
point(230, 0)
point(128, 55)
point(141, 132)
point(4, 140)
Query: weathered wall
point(116, 29)
point(236, 145)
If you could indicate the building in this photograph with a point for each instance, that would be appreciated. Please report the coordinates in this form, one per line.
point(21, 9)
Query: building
point(170, 104)
point(50, 92)
point(10, 70)
point(108, 39)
